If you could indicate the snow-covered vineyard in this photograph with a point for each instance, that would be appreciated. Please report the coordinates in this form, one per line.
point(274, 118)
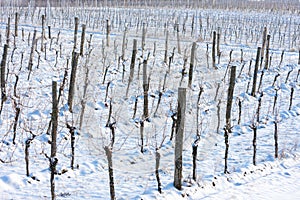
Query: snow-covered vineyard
point(128, 101)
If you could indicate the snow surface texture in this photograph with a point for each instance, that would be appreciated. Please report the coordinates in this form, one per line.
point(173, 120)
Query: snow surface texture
point(134, 171)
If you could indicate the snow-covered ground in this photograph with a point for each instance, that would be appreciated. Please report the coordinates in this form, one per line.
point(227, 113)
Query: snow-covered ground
point(134, 172)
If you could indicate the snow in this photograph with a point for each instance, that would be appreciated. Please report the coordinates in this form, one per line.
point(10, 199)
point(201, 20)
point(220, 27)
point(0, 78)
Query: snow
point(134, 171)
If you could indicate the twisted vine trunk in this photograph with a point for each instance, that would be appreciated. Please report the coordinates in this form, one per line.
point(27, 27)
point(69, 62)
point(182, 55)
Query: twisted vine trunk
point(157, 161)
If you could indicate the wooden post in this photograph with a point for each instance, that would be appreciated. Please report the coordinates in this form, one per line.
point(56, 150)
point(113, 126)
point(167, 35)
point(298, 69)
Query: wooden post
point(218, 42)
point(144, 36)
point(178, 38)
point(108, 152)
point(263, 46)
point(213, 52)
point(75, 32)
point(16, 24)
point(230, 98)
point(193, 25)
point(30, 63)
point(179, 137)
point(133, 57)
point(8, 31)
point(54, 119)
point(82, 39)
point(72, 81)
point(255, 72)
point(192, 64)
point(3, 71)
point(146, 88)
point(49, 32)
point(43, 33)
point(166, 48)
point(124, 43)
point(108, 29)
point(267, 52)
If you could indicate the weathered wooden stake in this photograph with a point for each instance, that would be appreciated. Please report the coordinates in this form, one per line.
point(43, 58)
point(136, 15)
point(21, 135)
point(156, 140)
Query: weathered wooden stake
point(108, 29)
point(213, 52)
point(267, 52)
point(178, 39)
point(192, 64)
point(75, 32)
point(124, 42)
point(54, 118)
point(72, 80)
point(166, 48)
point(3, 72)
point(16, 24)
point(82, 39)
point(133, 57)
point(263, 46)
point(43, 33)
point(8, 31)
point(230, 98)
point(179, 137)
point(146, 88)
point(108, 152)
point(49, 32)
point(144, 36)
point(30, 63)
point(218, 42)
point(255, 72)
